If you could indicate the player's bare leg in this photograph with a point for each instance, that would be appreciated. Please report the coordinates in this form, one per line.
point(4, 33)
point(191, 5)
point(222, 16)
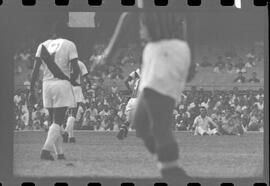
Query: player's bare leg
point(123, 131)
point(50, 110)
point(68, 135)
point(53, 139)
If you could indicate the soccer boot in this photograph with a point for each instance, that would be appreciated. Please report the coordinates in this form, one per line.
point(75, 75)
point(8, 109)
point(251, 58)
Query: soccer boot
point(61, 157)
point(174, 175)
point(65, 137)
point(46, 155)
point(72, 140)
point(122, 132)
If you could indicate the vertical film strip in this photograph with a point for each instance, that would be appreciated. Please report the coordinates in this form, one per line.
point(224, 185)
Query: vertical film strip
point(134, 92)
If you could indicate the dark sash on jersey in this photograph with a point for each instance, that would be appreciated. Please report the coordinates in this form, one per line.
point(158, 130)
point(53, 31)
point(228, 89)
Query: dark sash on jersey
point(52, 66)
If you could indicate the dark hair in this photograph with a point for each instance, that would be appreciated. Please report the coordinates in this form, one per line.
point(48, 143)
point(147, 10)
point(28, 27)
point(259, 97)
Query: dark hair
point(60, 28)
point(202, 107)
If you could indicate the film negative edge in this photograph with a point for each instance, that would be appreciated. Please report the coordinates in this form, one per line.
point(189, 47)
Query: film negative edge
point(29, 2)
point(156, 3)
point(260, 2)
point(28, 184)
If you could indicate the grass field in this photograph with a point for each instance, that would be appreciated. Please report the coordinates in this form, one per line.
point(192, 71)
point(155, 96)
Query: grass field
point(100, 154)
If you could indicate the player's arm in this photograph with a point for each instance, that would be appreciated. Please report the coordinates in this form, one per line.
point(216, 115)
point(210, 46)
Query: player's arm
point(121, 28)
point(73, 59)
point(84, 73)
point(35, 74)
point(195, 124)
point(75, 70)
point(83, 79)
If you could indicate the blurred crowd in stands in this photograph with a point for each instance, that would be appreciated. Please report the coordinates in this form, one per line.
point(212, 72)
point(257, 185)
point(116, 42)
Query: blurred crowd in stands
point(104, 107)
point(222, 105)
point(237, 65)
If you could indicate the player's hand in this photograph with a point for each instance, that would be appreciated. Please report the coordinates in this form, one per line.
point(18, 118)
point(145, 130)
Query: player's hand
point(98, 62)
point(74, 83)
point(32, 99)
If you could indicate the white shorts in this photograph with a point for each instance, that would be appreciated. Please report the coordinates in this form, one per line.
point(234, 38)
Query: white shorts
point(58, 93)
point(79, 98)
point(201, 131)
point(165, 67)
point(129, 107)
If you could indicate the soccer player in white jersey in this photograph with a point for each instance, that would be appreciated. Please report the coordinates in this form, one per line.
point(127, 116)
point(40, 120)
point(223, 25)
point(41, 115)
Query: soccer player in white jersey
point(68, 135)
point(133, 77)
point(56, 55)
point(164, 72)
point(202, 124)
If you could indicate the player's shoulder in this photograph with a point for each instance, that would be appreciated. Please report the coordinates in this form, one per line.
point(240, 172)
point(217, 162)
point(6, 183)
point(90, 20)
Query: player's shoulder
point(208, 118)
point(197, 118)
point(183, 45)
point(68, 42)
point(45, 43)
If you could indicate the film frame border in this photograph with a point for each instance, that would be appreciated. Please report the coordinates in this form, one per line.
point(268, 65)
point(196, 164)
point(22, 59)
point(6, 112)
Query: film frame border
point(254, 181)
point(132, 2)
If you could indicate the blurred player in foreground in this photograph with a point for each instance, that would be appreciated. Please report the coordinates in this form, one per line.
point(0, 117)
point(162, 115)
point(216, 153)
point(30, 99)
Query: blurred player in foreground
point(164, 71)
point(202, 124)
point(134, 77)
point(56, 55)
point(68, 135)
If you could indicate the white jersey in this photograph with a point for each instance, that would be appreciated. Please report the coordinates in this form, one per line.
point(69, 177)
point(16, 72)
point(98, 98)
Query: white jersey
point(165, 67)
point(64, 51)
point(203, 123)
point(83, 71)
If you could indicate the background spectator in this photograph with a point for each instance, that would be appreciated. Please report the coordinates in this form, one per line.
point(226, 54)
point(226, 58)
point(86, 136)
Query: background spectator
point(240, 78)
point(254, 78)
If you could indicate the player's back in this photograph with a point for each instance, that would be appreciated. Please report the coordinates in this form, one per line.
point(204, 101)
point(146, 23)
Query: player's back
point(63, 51)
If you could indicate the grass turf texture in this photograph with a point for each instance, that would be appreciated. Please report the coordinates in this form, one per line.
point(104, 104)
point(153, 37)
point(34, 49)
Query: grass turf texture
point(101, 154)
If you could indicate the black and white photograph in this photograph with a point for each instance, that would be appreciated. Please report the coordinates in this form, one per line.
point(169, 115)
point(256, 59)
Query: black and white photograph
point(172, 94)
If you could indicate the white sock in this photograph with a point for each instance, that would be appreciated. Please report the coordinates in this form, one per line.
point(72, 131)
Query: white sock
point(58, 146)
point(53, 134)
point(167, 165)
point(70, 125)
